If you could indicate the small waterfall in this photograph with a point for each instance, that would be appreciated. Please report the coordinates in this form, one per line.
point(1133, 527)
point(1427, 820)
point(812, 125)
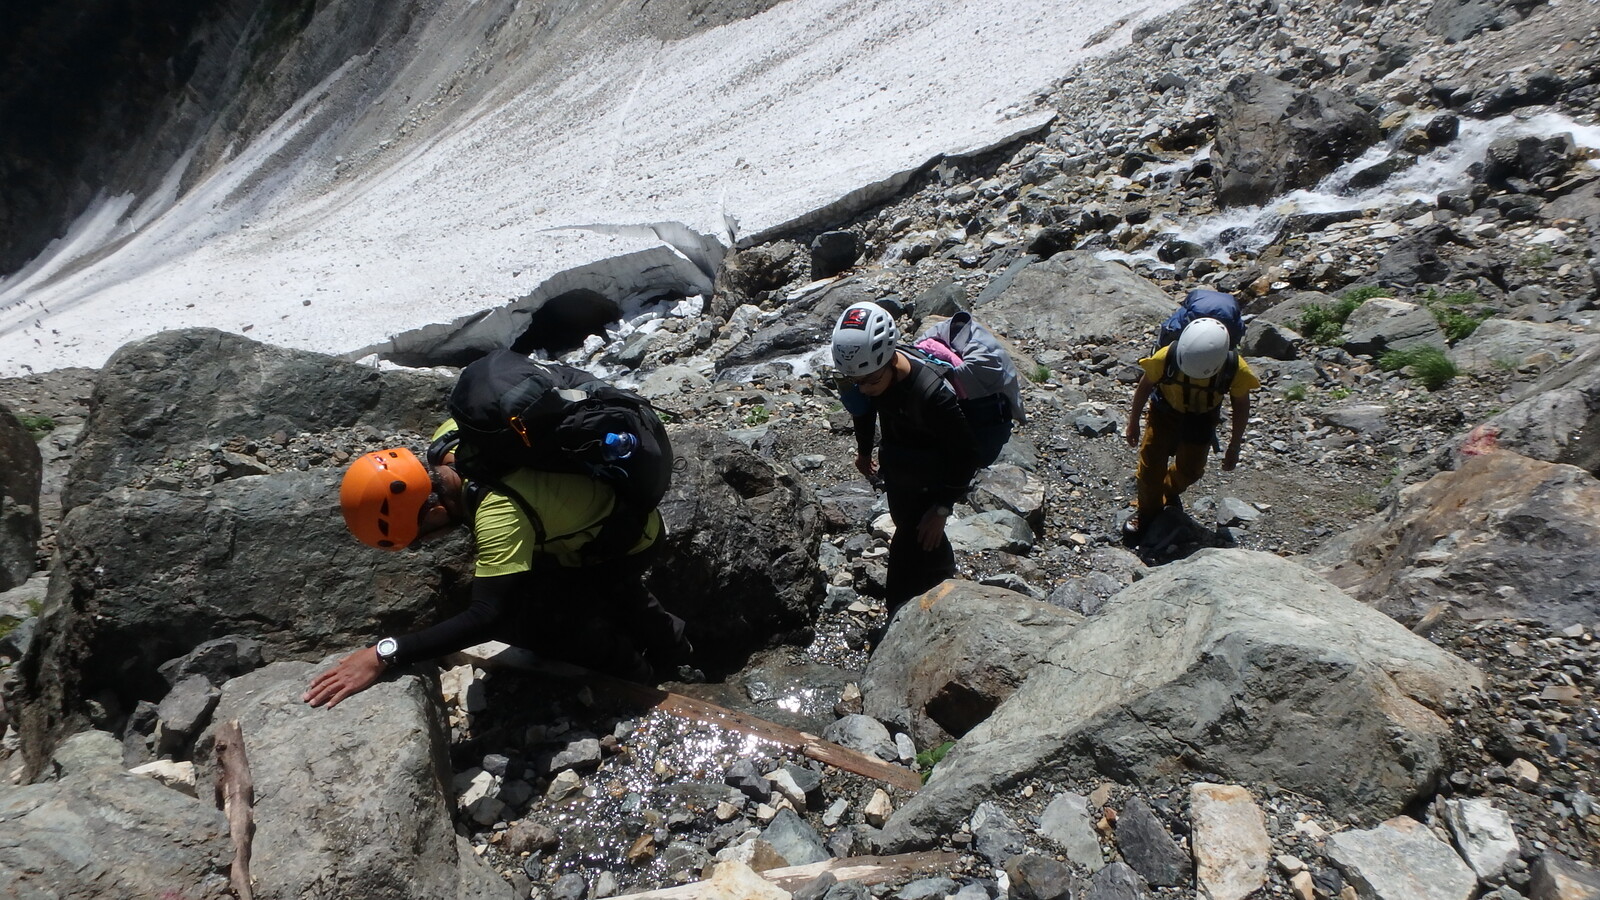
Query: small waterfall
point(1252, 227)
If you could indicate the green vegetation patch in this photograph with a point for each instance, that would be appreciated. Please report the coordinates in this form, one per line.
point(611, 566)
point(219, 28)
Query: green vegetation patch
point(1040, 374)
point(37, 425)
point(1458, 313)
point(1323, 323)
point(930, 757)
point(1428, 365)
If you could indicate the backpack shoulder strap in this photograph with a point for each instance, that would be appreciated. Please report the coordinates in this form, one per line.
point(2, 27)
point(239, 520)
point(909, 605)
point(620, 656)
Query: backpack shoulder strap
point(476, 491)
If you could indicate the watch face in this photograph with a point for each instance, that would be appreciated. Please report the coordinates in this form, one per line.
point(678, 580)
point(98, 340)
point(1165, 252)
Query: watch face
point(387, 648)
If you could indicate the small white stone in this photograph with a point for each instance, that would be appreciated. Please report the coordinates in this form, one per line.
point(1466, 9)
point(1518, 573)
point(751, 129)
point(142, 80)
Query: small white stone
point(564, 785)
point(1290, 865)
point(835, 812)
point(1524, 773)
point(788, 789)
point(878, 809)
point(176, 775)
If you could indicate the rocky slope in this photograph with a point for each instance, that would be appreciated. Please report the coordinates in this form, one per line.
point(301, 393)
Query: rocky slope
point(1209, 716)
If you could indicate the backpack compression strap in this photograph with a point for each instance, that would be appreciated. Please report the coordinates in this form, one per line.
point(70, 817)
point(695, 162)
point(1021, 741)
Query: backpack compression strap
point(1219, 383)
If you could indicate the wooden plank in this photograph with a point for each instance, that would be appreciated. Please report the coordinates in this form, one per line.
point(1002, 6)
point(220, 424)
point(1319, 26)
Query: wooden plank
point(701, 711)
point(235, 793)
point(867, 870)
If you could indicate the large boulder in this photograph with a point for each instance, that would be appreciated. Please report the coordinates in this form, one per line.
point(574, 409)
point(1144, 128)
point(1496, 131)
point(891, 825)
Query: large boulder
point(1232, 662)
point(740, 558)
point(98, 831)
point(1503, 535)
point(351, 801)
point(178, 392)
point(806, 323)
point(1457, 20)
point(955, 654)
point(1558, 418)
point(1072, 298)
point(1505, 343)
point(21, 471)
point(145, 576)
point(1383, 323)
point(1272, 138)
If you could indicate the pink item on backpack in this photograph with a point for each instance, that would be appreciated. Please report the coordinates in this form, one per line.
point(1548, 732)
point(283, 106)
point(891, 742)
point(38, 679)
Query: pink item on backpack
point(936, 348)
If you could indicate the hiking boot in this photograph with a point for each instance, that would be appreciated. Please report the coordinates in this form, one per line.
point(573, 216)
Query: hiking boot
point(1134, 527)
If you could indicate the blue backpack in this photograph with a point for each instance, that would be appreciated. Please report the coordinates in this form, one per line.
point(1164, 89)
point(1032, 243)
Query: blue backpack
point(1203, 304)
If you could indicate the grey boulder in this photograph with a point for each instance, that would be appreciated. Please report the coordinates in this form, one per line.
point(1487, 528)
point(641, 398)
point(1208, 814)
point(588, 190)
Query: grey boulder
point(1505, 343)
point(953, 656)
point(1273, 137)
point(146, 576)
point(1075, 297)
point(1383, 323)
point(1234, 662)
point(21, 474)
point(1557, 419)
point(1401, 860)
point(180, 391)
point(1504, 535)
point(350, 800)
point(99, 831)
point(740, 558)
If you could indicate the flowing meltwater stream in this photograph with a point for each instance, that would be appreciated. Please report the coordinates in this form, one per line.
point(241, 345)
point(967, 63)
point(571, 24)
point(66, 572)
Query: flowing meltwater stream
point(1249, 229)
point(1252, 227)
point(649, 813)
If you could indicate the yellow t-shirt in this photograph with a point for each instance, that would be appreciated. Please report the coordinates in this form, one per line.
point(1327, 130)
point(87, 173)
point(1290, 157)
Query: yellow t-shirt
point(1188, 395)
point(572, 508)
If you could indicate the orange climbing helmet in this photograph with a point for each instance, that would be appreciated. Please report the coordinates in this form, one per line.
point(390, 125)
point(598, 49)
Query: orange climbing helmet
point(382, 496)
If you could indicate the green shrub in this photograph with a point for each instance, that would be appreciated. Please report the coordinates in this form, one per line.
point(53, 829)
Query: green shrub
point(1452, 312)
point(1537, 256)
point(1360, 295)
point(1323, 323)
point(1040, 374)
point(37, 425)
point(1296, 393)
point(930, 757)
point(757, 415)
point(1426, 364)
point(1339, 393)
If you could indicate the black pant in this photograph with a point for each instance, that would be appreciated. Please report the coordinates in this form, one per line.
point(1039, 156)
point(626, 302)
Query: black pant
point(912, 569)
point(602, 617)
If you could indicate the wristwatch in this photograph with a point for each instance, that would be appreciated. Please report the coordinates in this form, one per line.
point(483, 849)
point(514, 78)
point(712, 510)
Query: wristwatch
point(387, 648)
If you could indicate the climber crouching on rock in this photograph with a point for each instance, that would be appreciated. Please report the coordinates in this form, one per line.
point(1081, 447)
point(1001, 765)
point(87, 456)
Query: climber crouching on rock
point(533, 585)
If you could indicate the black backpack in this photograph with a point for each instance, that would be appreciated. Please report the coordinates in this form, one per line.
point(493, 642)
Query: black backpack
point(513, 413)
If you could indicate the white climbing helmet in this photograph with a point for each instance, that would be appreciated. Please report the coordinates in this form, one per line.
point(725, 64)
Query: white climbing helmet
point(864, 339)
point(1202, 348)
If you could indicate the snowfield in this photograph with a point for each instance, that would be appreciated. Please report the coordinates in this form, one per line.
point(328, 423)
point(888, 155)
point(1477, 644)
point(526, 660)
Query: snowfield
point(625, 167)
